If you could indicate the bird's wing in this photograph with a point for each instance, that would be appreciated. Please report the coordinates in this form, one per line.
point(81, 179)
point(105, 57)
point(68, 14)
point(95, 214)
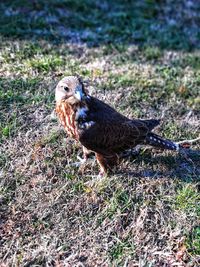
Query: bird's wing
point(101, 112)
point(113, 137)
point(112, 132)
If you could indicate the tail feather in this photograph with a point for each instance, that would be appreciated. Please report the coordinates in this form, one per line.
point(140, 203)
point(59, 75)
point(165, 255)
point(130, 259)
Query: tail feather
point(158, 141)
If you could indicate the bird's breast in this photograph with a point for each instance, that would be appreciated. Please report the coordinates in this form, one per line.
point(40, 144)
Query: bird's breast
point(75, 119)
point(67, 115)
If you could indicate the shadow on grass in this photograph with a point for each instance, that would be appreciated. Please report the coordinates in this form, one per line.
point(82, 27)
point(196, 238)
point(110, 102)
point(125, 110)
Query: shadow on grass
point(94, 23)
point(184, 168)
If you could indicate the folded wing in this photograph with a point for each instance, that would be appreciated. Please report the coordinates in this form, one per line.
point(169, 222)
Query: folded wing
point(111, 131)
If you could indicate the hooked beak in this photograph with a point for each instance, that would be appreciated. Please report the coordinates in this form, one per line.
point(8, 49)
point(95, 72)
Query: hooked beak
point(79, 95)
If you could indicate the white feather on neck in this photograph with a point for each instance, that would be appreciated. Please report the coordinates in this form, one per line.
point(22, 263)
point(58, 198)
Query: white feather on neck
point(59, 95)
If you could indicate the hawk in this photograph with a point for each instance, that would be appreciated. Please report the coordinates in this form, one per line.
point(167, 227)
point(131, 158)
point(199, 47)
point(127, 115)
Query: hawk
point(99, 127)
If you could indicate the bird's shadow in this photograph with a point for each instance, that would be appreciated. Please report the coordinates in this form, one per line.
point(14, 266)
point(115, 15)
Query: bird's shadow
point(185, 167)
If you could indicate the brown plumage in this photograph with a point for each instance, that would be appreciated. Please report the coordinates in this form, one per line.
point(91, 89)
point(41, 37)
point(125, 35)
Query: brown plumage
point(99, 127)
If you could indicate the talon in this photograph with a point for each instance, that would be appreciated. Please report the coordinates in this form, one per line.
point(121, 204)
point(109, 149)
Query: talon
point(81, 160)
point(76, 164)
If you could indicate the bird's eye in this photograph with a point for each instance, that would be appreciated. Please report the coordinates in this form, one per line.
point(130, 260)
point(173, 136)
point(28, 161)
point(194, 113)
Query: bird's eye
point(66, 88)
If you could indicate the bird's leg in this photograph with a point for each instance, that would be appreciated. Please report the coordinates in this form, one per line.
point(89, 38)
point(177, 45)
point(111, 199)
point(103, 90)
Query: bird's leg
point(86, 154)
point(106, 162)
point(102, 164)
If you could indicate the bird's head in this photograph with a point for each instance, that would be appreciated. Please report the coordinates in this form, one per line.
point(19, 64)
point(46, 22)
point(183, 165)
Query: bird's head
point(70, 89)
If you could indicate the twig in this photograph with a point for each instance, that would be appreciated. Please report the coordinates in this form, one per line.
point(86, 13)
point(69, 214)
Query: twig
point(189, 141)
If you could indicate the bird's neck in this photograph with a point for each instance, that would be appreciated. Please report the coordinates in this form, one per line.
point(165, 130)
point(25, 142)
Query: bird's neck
point(68, 116)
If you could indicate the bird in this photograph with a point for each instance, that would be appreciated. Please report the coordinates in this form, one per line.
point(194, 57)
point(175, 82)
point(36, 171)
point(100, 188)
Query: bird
point(100, 128)
point(70, 106)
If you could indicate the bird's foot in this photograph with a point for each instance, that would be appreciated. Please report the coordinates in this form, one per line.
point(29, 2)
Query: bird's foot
point(96, 179)
point(76, 164)
point(86, 153)
point(82, 160)
point(83, 163)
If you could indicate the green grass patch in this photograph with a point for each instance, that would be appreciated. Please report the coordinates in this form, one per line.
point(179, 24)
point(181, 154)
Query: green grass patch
point(45, 63)
point(152, 53)
point(190, 60)
point(121, 80)
point(188, 199)
point(121, 250)
point(118, 203)
point(176, 132)
point(9, 127)
point(193, 241)
point(18, 90)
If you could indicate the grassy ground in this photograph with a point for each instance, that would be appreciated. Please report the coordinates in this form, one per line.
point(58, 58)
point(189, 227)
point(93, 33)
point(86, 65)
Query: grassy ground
point(143, 58)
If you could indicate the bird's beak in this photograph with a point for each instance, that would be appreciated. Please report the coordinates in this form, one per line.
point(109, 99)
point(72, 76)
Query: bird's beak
point(79, 94)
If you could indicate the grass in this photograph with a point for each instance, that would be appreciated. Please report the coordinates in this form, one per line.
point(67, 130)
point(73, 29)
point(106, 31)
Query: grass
point(188, 199)
point(140, 57)
point(121, 249)
point(193, 241)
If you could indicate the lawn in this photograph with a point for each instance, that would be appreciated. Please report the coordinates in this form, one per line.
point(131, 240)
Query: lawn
point(141, 57)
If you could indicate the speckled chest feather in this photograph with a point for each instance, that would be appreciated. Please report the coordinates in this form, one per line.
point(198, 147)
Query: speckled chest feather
point(67, 116)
